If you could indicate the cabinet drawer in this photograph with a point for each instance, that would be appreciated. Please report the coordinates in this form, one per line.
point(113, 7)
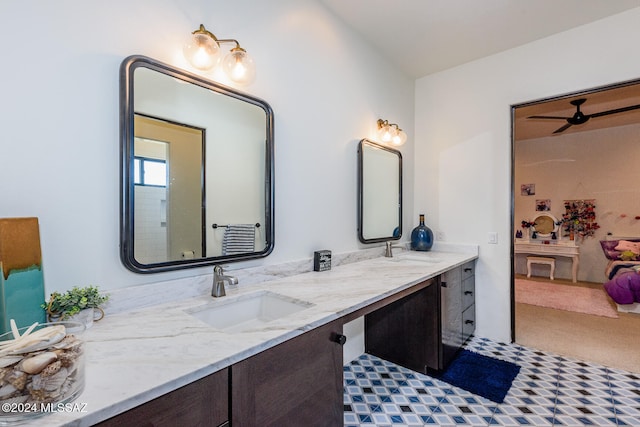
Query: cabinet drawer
point(468, 270)
point(204, 402)
point(468, 292)
point(451, 277)
point(468, 322)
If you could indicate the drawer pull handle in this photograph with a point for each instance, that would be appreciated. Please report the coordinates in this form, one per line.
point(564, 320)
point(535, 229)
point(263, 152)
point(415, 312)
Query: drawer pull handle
point(468, 322)
point(468, 269)
point(468, 293)
point(340, 339)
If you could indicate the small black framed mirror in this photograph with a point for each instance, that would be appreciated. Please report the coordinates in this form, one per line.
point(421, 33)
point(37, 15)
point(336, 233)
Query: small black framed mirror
point(379, 192)
point(197, 170)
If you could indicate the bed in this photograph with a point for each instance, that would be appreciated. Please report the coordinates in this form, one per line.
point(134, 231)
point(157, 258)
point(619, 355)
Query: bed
point(623, 273)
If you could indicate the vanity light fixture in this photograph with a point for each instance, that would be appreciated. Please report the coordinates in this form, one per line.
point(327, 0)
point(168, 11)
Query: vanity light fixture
point(202, 50)
point(390, 133)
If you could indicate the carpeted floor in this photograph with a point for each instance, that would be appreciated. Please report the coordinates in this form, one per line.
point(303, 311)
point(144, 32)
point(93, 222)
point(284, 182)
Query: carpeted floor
point(593, 301)
point(611, 342)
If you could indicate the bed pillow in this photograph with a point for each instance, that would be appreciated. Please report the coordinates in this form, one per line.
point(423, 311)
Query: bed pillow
point(626, 245)
point(608, 247)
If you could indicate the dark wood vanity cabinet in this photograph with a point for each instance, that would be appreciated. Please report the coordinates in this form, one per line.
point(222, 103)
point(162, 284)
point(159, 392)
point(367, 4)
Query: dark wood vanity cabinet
point(204, 402)
point(424, 330)
point(300, 381)
point(296, 383)
point(406, 332)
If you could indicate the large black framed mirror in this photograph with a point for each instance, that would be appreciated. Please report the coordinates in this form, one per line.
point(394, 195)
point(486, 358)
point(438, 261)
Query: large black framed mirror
point(379, 192)
point(196, 170)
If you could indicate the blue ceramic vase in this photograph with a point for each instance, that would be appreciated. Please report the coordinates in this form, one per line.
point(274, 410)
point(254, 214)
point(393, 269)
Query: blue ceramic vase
point(421, 237)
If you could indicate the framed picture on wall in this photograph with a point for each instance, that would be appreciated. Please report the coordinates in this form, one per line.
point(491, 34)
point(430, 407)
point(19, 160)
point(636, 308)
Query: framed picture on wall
point(543, 205)
point(527, 189)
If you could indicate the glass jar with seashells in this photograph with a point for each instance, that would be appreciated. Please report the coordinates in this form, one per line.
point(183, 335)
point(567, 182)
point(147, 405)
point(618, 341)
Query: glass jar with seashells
point(41, 367)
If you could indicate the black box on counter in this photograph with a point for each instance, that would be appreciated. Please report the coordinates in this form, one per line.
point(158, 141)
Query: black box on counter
point(322, 260)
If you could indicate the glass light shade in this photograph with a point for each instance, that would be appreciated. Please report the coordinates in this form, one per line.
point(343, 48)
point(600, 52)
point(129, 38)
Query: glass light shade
point(239, 66)
point(400, 138)
point(387, 133)
point(202, 51)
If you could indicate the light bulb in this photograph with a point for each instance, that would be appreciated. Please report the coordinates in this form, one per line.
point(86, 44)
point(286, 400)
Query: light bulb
point(387, 133)
point(239, 66)
point(400, 138)
point(202, 50)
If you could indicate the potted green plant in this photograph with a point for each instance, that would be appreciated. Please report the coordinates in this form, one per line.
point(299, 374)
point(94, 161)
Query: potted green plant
point(81, 304)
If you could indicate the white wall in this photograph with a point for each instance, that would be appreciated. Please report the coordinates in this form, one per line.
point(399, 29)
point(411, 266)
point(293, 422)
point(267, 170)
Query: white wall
point(600, 165)
point(59, 119)
point(463, 139)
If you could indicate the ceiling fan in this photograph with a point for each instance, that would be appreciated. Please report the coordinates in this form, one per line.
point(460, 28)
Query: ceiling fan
point(579, 117)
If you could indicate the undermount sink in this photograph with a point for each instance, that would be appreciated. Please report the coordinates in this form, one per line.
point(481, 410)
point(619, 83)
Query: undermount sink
point(247, 312)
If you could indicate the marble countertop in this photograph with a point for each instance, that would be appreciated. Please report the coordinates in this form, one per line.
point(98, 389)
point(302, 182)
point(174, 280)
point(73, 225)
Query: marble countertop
point(135, 356)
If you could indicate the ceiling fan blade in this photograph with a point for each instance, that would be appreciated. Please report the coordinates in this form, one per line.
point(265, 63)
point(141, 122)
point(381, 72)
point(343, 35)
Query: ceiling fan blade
point(563, 128)
point(615, 111)
point(547, 117)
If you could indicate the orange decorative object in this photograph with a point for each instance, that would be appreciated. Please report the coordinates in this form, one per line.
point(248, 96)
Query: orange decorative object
point(21, 279)
point(19, 244)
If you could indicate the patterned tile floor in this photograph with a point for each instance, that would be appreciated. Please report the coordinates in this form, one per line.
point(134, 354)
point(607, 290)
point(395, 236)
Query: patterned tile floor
point(550, 390)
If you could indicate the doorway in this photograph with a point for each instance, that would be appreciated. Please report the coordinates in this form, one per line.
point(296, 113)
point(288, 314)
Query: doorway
point(559, 157)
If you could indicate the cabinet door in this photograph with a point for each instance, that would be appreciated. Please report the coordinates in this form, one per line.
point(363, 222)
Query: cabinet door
point(451, 315)
point(468, 292)
point(297, 383)
point(468, 300)
point(202, 403)
point(405, 332)
point(468, 322)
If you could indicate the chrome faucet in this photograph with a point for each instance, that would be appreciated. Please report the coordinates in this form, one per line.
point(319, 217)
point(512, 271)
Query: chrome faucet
point(388, 252)
point(218, 281)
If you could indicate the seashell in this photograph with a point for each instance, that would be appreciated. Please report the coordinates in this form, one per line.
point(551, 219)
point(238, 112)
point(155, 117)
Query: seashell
point(51, 368)
point(34, 341)
point(37, 392)
point(16, 378)
point(66, 387)
point(17, 399)
point(7, 391)
point(55, 381)
point(35, 364)
point(68, 358)
point(9, 360)
point(50, 383)
point(70, 342)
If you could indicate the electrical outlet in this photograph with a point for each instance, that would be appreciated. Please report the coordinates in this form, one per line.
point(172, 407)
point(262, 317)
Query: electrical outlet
point(440, 235)
point(493, 237)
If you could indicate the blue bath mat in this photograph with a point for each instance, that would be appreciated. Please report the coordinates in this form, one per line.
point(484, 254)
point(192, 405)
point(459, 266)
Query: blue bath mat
point(482, 375)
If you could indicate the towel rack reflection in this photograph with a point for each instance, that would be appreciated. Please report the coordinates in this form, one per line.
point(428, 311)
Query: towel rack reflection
point(221, 225)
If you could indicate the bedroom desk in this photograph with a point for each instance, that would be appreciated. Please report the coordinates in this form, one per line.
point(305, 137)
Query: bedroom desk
point(565, 248)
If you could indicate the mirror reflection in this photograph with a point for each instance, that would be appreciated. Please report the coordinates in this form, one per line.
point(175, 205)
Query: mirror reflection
point(379, 192)
point(544, 224)
point(197, 170)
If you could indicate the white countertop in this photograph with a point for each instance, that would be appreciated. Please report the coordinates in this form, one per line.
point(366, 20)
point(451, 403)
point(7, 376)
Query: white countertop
point(135, 356)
